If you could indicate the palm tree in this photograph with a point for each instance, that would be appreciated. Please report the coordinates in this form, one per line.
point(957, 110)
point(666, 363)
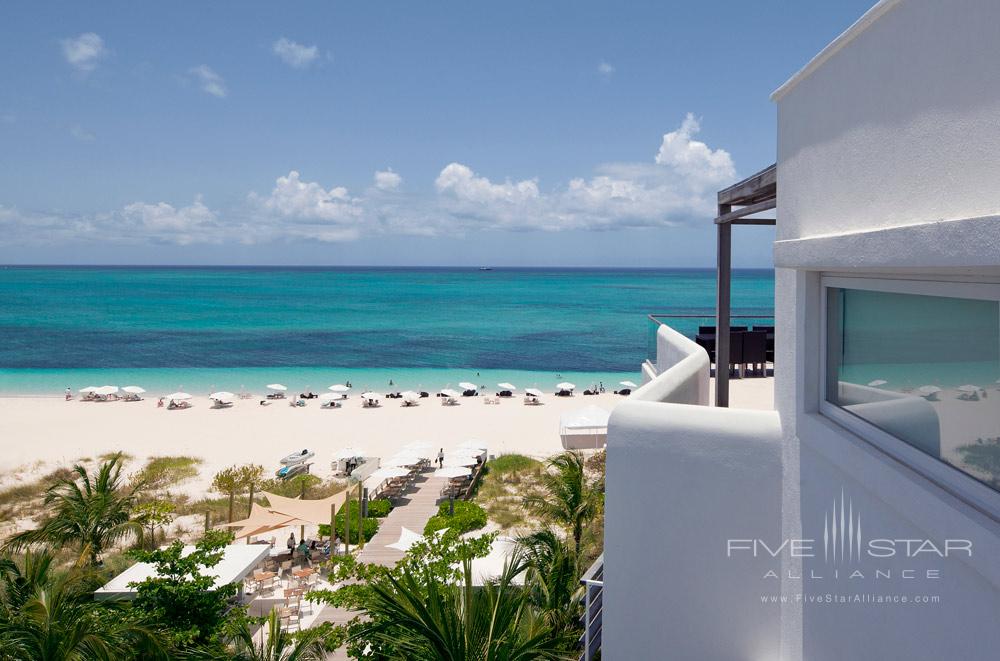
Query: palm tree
point(552, 579)
point(415, 616)
point(90, 513)
point(569, 499)
point(278, 645)
point(46, 614)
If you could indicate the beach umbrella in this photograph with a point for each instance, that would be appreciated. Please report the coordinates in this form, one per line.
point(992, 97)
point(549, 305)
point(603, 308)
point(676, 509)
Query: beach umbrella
point(222, 396)
point(968, 388)
point(178, 396)
point(459, 460)
point(388, 473)
point(928, 390)
point(411, 397)
point(565, 385)
point(133, 390)
point(330, 396)
point(453, 471)
point(339, 388)
point(277, 386)
point(350, 452)
point(370, 395)
point(877, 382)
point(88, 389)
point(534, 392)
point(106, 390)
point(507, 386)
point(402, 459)
point(448, 392)
point(465, 385)
point(473, 445)
point(628, 384)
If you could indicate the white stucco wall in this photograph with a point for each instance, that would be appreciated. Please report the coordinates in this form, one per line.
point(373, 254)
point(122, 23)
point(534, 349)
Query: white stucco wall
point(887, 163)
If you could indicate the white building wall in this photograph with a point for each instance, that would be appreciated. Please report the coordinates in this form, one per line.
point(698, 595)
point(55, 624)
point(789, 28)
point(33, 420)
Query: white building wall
point(887, 162)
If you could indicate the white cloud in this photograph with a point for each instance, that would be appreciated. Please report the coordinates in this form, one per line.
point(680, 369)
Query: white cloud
point(82, 134)
point(295, 54)
point(605, 69)
point(700, 165)
point(387, 180)
point(210, 82)
point(308, 210)
point(84, 51)
point(165, 223)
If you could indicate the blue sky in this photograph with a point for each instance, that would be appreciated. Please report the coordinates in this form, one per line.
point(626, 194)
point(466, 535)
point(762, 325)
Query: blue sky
point(515, 133)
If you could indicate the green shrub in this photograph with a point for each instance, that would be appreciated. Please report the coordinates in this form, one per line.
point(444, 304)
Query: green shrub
point(511, 463)
point(379, 508)
point(369, 525)
point(468, 516)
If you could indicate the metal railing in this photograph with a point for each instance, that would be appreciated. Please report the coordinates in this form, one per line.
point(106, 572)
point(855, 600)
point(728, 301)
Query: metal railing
point(687, 324)
point(593, 609)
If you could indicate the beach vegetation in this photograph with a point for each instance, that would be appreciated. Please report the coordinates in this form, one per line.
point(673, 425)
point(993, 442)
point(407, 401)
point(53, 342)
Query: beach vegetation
point(229, 483)
point(379, 508)
point(154, 515)
point(277, 644)
point(369, 524)
point(467, 516)
point(569, 497)
point(506, 481)
point(90, 513)
point(160, 473)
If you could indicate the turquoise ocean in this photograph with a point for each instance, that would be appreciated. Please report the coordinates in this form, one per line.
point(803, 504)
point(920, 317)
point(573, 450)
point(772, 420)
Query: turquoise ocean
point(201, 329)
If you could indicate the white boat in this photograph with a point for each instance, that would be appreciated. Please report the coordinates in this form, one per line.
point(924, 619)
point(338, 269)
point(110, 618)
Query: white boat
point(298, 457)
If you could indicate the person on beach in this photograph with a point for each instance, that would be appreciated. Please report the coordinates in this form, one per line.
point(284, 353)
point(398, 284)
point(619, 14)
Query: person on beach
point(440, 458)
point(69, 394)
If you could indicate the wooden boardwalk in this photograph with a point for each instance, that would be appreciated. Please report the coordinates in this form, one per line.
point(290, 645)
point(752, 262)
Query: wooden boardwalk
point(418, 504)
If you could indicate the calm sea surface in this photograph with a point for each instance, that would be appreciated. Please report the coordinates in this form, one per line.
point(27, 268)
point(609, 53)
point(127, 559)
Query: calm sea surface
point(203, 328)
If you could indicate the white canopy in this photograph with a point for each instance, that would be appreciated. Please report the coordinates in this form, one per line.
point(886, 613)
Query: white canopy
point(339, 387)
point(584, 428)
point(506, 386)
point(178, 396)
point(277, 386)
point(387, 473)
point(566, 385)
point(534, 392)
point(222, 396)
point(133, 390)
point(238, 560)
point(465, 385)
point(453, 471)
point(350, 452)
point(106, 390)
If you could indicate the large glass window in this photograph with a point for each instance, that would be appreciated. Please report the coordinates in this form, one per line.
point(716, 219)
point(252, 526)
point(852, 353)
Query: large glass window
point(925, 369)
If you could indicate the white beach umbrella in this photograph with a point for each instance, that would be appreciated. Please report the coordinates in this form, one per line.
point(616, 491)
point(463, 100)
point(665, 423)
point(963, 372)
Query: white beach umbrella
point(459, 460)
point(330, 396)
point(88, 389)
point(222, 396)
point(507, 386)
point(178, 396)
point(465, 385)
point(402, 459)
point(277, 386)
point(877, 382)
point(968, 388)
point(388, 473)
point(928, 390)
point(534, 392)
point(628, 384)
point(133, 390)
point(448, 392)
point(340, 388)
point(370, 395)
point(350, 452)
point(107, 390)
point(453, 471)
point(411, 397)
point(565, 385)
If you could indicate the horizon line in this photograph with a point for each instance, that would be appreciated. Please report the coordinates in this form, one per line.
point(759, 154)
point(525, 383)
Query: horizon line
point(382, 266)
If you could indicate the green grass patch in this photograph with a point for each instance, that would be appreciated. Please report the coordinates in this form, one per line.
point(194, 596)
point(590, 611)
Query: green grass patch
point(163, 472)
point(506, 464)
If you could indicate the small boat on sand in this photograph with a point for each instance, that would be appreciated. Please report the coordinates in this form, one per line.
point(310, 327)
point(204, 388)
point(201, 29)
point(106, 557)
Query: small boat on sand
point(286, 472)
point(299, 457)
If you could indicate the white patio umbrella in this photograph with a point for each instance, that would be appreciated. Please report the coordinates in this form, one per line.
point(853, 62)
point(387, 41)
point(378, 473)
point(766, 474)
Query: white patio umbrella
point(178, 396)
point(534, 392)
point(401, 459)
point(277, 386)
point(411, 397)
point(465, 385)
point(507, 386)
point(448, 392)
point(453, 471)
point(565, 385)
point(88, 389)
point(350, 452)
point(222, 396)
point(877, 382)
point(339, 388)
point(107, 390)
point(459, 460)
point(628, 384)
point(388, 473)
point(133, 390)
point(330, 396)
point(370, 395)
